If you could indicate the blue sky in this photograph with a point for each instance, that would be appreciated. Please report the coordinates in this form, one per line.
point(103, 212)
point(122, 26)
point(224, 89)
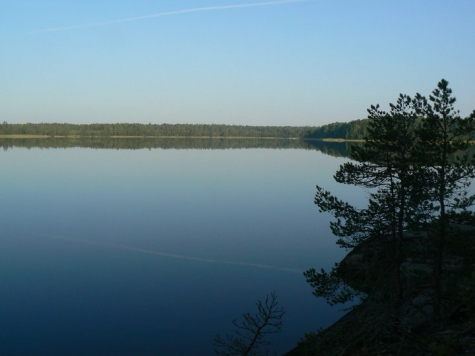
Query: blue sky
point(277, 63)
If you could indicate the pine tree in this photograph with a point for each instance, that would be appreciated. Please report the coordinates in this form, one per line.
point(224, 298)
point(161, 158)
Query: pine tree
point(447, 173)
point(416, 171)
point(383, 166)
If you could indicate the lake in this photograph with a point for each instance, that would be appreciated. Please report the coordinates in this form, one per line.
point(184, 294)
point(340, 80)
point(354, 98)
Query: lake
point(154, 250)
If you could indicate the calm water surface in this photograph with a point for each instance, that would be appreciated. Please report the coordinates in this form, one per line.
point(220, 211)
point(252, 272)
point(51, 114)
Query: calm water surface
point(153, 252)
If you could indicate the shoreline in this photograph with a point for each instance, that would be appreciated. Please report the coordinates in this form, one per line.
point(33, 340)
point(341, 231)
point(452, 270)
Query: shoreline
point(25, 136)
point(138, 137)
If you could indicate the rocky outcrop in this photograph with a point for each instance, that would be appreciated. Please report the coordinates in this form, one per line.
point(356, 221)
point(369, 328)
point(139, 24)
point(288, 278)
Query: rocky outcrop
point(389, 323)
point(370, 269)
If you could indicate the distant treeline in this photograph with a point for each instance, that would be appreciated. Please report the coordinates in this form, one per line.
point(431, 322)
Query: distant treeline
point(353, 130)
point(159, 130)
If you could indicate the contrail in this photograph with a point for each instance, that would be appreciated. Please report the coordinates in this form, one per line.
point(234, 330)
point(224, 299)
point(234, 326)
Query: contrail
point(164, 254)
point(169, 13)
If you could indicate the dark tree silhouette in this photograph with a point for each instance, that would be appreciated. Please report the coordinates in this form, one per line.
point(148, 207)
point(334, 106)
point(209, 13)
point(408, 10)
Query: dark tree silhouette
point(417, 171)
point(250, 333)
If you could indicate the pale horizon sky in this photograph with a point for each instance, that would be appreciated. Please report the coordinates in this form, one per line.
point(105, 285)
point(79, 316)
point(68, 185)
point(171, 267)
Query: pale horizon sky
point(243, 62)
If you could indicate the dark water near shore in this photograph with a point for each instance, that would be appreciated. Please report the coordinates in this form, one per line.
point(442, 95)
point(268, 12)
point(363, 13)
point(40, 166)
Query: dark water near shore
point(153, 251)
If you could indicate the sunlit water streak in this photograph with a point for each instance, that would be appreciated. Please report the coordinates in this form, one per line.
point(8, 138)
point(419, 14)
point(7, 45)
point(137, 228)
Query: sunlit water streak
point(171, 255)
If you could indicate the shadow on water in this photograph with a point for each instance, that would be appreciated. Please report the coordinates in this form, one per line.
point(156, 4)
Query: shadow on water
point(334, 149)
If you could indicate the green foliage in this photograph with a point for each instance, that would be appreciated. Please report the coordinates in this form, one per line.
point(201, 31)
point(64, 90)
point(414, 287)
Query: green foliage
point(416, 171)
point(249, 335)
point(353, 130)
point(443, 133)
point(330, 286)
point(158, 130)
point(382, 166)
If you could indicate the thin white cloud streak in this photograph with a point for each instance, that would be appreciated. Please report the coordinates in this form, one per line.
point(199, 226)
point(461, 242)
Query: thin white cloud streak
point(171, 255)
point(169, 13)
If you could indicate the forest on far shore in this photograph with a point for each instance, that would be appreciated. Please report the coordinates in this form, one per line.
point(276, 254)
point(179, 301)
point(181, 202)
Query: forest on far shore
point(156, 130)
point(351, 130)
